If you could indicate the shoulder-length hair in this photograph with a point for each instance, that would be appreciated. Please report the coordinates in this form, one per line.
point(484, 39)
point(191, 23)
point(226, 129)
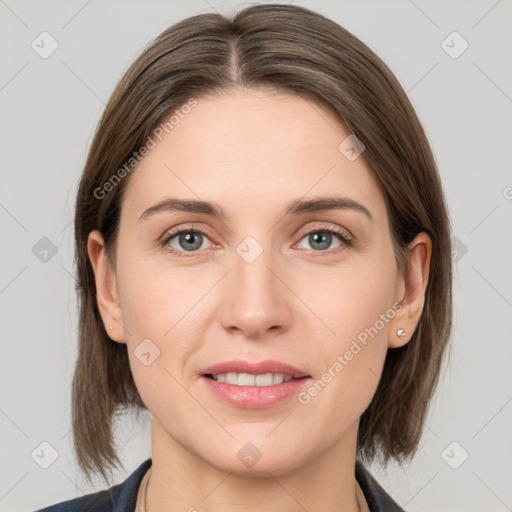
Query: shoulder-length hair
point(291, 49)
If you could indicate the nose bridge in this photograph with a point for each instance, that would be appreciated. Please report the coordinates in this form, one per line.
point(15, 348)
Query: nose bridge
point(257, 300)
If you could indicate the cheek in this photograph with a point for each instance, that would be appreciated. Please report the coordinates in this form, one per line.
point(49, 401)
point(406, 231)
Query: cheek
point(157, 315)
point(159, 320)
point(154, 301)
point(352, 299)
point(356, 308)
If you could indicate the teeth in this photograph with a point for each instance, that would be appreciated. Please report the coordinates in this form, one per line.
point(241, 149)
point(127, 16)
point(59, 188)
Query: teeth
point(264, 380)
point(247, 379)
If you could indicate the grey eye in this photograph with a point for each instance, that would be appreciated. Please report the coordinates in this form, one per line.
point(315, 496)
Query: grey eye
point(320, 240)
point(187, 241)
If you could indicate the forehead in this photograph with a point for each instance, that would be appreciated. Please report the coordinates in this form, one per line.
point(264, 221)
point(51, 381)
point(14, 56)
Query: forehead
point(251, 151)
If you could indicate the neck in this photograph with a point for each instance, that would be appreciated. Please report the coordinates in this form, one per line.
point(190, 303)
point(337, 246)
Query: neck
point(181, 480)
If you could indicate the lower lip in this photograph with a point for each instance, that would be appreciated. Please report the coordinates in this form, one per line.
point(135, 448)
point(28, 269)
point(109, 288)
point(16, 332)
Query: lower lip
point(255, 397)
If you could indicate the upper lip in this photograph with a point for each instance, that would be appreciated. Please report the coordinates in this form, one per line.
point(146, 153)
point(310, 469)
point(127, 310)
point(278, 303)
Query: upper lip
point(260, 368)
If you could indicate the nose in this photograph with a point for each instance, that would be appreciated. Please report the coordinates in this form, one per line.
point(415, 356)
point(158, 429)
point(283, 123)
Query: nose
point(258, 303)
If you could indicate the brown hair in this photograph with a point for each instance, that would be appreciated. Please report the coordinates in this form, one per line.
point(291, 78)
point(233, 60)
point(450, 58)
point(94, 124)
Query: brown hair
point(291, 49)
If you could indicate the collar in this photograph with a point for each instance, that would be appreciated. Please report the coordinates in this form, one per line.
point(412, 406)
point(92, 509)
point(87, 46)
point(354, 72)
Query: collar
point(377, 498)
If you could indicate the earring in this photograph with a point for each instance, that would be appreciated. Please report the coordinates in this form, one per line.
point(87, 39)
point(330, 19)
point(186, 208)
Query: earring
point(401, 333)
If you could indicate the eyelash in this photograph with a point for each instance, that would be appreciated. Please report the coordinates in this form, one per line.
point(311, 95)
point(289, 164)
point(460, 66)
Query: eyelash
point(344, 238)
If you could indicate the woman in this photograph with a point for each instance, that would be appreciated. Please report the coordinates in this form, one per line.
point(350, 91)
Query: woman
point(264, 264)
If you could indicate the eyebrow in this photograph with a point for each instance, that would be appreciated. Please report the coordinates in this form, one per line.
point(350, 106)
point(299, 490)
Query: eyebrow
point(296, 207)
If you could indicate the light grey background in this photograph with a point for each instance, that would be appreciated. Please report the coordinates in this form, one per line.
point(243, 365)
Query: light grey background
point(50, 108)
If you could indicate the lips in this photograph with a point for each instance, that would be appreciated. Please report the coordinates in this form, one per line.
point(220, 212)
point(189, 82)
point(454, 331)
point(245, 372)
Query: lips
point(247, 385)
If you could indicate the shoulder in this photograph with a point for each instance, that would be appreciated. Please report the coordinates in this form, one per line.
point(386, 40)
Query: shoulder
point(377, 498)
point(97, 502)
point(118, 498)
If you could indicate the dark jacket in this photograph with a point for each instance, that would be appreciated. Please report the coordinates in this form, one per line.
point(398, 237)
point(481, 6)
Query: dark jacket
point(122, 497)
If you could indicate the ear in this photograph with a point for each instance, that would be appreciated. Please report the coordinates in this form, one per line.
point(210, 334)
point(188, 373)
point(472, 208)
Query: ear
point(411, 291)
point(106, 288)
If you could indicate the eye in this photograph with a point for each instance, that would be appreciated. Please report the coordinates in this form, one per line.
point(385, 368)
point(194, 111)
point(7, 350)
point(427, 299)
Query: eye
point(179, 242)
point(321, 238)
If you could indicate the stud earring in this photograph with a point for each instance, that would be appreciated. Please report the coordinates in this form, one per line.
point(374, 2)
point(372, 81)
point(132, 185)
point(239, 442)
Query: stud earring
point(401, 333)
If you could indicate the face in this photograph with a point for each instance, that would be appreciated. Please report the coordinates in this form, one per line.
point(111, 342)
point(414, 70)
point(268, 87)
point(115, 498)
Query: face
point(313, 288)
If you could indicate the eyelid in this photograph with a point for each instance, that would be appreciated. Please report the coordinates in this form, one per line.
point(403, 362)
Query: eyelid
point(343, 232)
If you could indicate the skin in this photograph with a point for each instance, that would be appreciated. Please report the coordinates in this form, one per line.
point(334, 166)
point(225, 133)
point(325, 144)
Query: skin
point(252, 153)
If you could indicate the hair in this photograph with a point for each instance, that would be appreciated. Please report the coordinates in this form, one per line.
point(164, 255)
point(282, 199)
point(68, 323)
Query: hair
point(288, 49)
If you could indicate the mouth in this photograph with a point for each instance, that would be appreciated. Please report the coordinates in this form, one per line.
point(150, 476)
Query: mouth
point(254, 385)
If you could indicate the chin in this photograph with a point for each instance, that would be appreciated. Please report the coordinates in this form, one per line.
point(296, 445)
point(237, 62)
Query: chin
point(256, 459)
